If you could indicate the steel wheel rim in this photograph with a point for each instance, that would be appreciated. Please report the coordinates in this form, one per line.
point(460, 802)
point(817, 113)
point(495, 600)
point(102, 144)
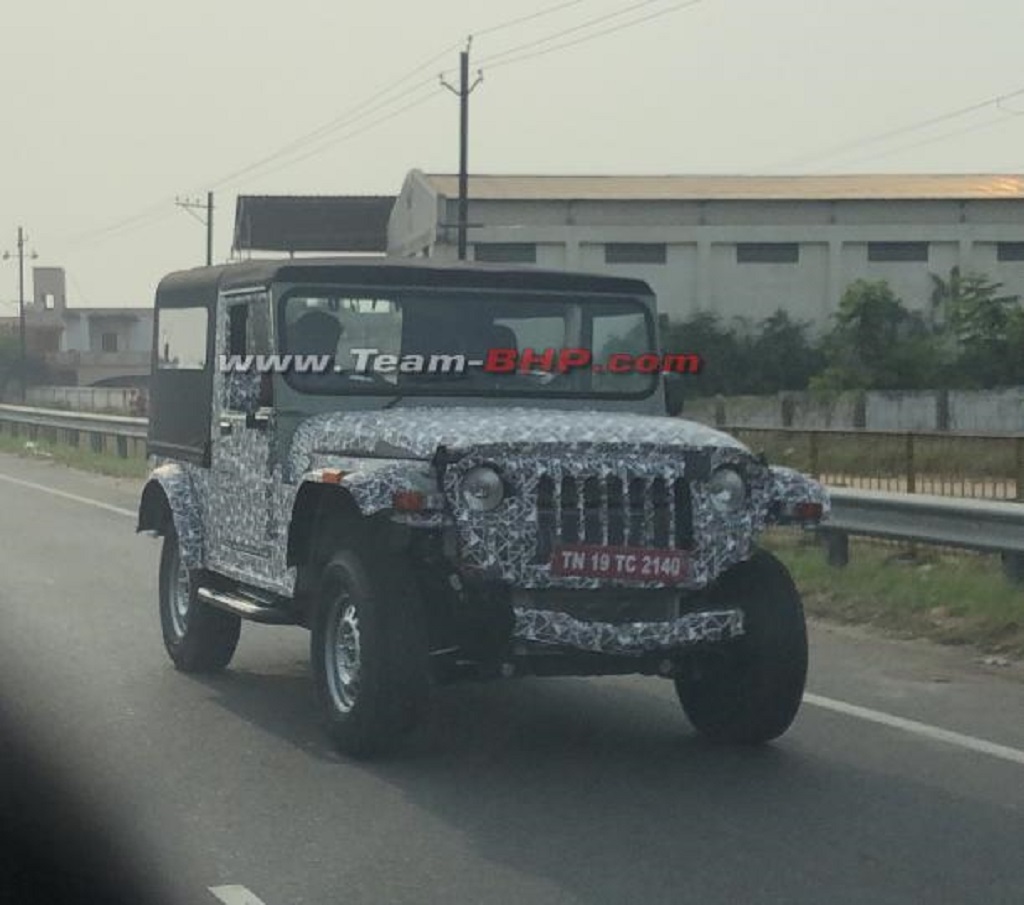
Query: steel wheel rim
point(344, 655)
point(180, 596)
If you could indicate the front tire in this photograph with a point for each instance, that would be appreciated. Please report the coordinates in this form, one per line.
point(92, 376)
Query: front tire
point(749, 691)
point(368, 652)
point(198, 638)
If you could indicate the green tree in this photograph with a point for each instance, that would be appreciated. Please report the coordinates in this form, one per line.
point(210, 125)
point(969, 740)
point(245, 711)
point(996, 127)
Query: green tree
point(981, 326)
point(721, 348)
point(782, 356)
point(876, 343)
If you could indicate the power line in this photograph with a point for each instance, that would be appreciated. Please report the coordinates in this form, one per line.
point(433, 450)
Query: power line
point(528, 18)
point(598, 34)
point(975, 127)
point(845, 147)
point(377, 102)
point(615, 14)
point(348, 136)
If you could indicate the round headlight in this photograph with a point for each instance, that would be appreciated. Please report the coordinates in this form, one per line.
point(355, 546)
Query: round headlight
point(728, 492)
point(482, 489)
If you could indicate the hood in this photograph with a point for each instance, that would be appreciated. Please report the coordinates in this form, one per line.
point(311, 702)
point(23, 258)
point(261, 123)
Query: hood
point(418, 432)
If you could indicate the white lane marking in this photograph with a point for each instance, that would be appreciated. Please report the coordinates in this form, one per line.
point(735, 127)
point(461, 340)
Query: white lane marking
point(1003, 752)
point(236, 895)
point(117, 510)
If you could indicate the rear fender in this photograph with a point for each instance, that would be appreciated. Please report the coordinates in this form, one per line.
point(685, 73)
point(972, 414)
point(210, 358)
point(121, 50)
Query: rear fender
point(170, 497)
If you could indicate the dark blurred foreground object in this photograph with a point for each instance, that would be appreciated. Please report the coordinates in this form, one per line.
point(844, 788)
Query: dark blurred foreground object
point(54, 848)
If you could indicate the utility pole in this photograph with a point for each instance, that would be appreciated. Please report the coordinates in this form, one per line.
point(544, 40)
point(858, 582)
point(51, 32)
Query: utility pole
point(190, 206)
point(463, 92)
point(22, 357)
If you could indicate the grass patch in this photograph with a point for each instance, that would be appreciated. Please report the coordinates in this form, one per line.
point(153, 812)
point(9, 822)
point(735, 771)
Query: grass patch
point(950, 598)
point(72, 457)
point(881, 455)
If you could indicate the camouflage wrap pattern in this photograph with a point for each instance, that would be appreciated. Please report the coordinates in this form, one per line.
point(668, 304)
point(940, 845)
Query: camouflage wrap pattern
point(184, 496)
point(547, 627)
point(790, 487)
point(416, 433)
point(245, 501)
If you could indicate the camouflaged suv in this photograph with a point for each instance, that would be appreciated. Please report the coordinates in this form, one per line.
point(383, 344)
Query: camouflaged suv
point(429, 525)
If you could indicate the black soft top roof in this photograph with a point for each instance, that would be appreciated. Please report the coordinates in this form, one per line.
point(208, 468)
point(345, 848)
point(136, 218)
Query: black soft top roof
point(201, 284)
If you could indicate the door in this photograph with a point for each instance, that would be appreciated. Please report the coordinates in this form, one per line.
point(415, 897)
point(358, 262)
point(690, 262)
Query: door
point(241, 472)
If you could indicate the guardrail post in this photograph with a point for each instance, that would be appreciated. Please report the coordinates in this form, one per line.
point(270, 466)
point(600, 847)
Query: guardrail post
point(911, 472)
point(812, 454)
point(1020, 469)
point(837, 547)
point(1013, 567)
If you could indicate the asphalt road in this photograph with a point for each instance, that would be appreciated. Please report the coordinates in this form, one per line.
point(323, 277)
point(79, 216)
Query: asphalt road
point(546, 791)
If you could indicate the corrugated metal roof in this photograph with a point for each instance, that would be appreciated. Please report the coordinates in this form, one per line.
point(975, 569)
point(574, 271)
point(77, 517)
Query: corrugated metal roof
point(351, 223)
point(887, 187)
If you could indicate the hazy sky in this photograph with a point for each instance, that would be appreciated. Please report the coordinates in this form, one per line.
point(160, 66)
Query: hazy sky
point(112, 108)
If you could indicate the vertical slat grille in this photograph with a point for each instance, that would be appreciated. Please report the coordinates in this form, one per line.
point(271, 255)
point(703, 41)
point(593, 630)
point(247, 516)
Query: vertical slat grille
point(616, 511)
point(616, 519)
point(570, 503)
point(683, 506)
point(658, 498)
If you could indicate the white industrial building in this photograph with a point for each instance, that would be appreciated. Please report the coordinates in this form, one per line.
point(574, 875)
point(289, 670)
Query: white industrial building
point(734, 245)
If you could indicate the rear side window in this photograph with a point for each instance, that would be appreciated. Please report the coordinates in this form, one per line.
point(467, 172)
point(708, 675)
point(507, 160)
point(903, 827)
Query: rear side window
point(181, 339)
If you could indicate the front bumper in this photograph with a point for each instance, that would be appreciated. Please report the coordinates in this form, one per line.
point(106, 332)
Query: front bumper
point(561, 629)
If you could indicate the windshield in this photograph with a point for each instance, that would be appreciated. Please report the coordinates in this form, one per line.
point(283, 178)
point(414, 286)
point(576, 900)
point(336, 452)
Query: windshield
point(465, 343)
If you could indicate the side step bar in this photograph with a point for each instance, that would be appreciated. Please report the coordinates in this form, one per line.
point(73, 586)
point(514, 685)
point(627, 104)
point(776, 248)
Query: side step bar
point(246, 607)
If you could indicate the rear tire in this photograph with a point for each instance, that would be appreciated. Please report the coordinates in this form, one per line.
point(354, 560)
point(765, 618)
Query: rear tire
point(369, 651)
point(749, 691)
point(198, 638)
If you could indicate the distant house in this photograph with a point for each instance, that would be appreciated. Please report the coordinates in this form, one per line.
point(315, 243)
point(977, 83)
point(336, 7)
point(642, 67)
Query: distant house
point(84, 346)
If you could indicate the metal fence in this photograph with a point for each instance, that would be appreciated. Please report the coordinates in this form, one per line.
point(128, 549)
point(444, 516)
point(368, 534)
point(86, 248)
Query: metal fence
point(979, 466)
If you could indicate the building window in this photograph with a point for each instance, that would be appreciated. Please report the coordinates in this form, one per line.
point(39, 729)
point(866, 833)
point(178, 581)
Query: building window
point(635, 253)
point(898, 251)
point(767, 253)
point(108, 342)
point(506, 252)
point(1010, 251)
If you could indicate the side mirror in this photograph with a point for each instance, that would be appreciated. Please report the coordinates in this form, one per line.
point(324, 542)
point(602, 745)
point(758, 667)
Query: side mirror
point(674, 394)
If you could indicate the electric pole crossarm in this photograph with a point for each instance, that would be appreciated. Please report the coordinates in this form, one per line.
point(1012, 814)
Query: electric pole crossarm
point(190, 206)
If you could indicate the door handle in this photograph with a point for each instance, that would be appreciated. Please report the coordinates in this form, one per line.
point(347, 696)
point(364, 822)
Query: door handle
point(227, 428)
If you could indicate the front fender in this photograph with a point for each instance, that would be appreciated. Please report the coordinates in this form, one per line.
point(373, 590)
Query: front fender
point(171, 490)
point(373, 484)
point(790, 492)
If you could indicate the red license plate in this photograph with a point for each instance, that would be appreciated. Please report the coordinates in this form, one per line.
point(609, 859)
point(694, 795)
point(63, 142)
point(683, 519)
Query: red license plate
point(637, 564)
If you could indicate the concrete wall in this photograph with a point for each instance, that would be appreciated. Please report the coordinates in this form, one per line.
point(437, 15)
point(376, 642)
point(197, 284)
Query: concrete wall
point(980, 411)
point(116, 400)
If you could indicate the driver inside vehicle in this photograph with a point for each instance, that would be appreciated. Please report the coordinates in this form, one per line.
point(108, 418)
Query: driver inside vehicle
point(316, 333)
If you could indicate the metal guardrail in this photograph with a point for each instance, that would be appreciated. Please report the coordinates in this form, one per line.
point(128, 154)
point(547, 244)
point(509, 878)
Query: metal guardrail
point(116, 434)
point(982, 525)
point(969, 524)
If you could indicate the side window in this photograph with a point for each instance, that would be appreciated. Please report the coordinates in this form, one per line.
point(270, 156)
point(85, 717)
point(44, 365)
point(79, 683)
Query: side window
point(182, 338)
point(237, 317)
point(247, 335)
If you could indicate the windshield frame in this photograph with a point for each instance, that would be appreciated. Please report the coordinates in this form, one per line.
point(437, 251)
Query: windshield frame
point(281, 293)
